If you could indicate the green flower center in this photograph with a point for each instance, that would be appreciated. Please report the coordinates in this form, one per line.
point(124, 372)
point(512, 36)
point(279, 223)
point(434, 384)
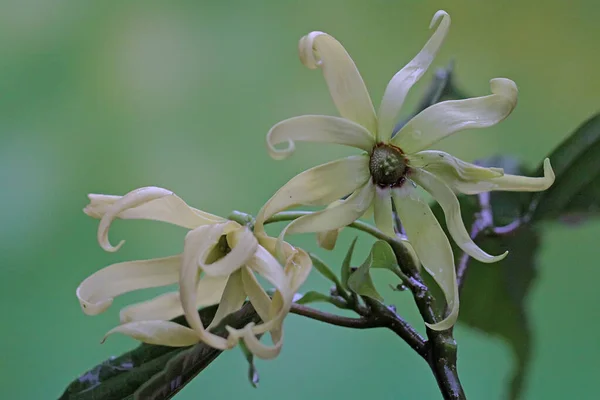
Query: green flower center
point(387, 165)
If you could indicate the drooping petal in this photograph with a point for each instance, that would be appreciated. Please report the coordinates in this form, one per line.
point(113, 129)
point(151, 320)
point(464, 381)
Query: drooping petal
point(431, 245)
point(232, 300)
point(243, 244)
point(197, 243)
point(445, 118)
point(151, 203)
point(168, 306)
point(436, 162)
point(383, 211)
point(506, 182)
point(163, 333)
point(317, 186)
point(317, 128)
point(449, 203)
point(346, 86)
point(400, 84)
point(96, 292)
point(297, 261)
point(347, 212)
point(253, 343)
point(328, 239)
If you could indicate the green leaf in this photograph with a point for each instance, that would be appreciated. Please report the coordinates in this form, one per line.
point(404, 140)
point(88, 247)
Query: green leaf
point(576, 190)
point(383, 256)
point(326, 271)
point(346, 267)
point(150, 371)
point(360, 281)
point(313, 297)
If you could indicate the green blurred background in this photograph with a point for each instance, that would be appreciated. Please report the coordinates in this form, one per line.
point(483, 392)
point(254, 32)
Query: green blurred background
point(108, 96)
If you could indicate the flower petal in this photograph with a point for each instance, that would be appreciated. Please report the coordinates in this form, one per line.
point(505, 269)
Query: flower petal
point(506, 182)
point(151, 203)
point(317, 128)
point(253, 343)
point(438, 161)
point(346, 86)
point(168, 306)
point(328, 239)
point(243, 244)
point(197, 244)
point(96, 292)
point(447, 199)
point(400, 84)
point(383, 211)
point(431, 245)
point(445, 118)
point(317, 186)
point(344, 214)
point(232, 300)
point(163, 333)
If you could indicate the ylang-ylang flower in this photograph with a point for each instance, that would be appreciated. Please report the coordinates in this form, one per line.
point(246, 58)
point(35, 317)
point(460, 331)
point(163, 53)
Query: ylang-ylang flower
point(391, 166)
point(219, 264)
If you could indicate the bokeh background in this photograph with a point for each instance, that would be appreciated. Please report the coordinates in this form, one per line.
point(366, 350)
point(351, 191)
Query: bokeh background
point(108, 96)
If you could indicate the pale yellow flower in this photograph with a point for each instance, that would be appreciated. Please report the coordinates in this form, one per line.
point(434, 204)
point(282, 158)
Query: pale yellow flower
point(218, 265)
point(392, 166)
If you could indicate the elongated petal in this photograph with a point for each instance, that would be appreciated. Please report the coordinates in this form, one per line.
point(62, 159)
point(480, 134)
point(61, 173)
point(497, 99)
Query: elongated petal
point(506, 182)
point(431, 245)
point(447, 199)
point(258, 297)
point(346, 86)
point(398, 88)
point(317, 186)
point(440, 162)
point(197, 243)
point(168, 306)
point(253, 343)
point(164, 333)
point(232, 300)
point(383, 211)
point(347, 212)
point(297, 261)
point(96, 292)
point(445, 118)
point(151, 203)
point(328, 239)
point(317, 128)
point(243, 244)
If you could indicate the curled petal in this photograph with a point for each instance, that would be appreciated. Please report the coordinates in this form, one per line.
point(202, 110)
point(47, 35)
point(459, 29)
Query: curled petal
point(151, 203)
point(447, 199)
point(232, 300)
point(440, 162)
point(317, 128)
point(445, 118)
point(336, 217)
point(383, 211)
point(346, 86)
point(242, 243)
point(317, 186)
point(506, 182)
point(168, 306)
point(297, 261)
point(96, 292)
point(431, 245)
point(253, 343)
point(400, 84)
point(163, 333)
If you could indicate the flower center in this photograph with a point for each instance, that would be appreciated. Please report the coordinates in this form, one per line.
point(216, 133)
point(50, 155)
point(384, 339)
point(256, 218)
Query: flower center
point(387, 165)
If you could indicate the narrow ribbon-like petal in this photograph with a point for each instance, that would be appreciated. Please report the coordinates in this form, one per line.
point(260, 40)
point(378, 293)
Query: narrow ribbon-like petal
point(383, 211)
point(346, 86)
point(253, 343)
point(440, 162)
point(243, 244)
point(400, 84)
point(344, 214)
point(317, 186)
point(445, 118)
point(506, 182)
point(447, 199)
point(96, 292)
point(317, 128)
point(163, 333)
point(431, 245)
point(232, 300)
point(144, 203)
point(168, 306)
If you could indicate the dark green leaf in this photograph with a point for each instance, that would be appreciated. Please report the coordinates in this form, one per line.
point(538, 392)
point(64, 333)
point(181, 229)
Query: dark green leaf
point(150, 371)
point(360, 281)
point(576, 190)
point(346, 264)
point(383, 256)
point(313, 297)
point(325, 271)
